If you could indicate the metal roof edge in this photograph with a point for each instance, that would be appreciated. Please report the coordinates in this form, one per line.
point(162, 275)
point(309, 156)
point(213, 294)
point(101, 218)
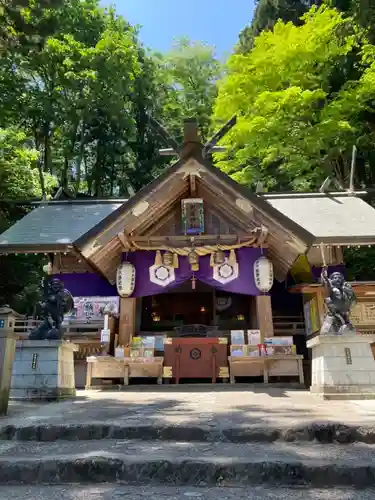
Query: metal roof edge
point(333, 194)
point(39, 248)
point(368, 240)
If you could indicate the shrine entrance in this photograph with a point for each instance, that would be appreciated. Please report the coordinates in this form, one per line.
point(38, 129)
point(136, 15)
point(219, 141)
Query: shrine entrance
point(197, 324)
point(181, 307)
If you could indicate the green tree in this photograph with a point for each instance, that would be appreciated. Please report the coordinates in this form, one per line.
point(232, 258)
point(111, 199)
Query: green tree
point(268, 12)
point(303, 96)
point(71, 74)
point(19, 180)
point(187, 79)
point(266, 15)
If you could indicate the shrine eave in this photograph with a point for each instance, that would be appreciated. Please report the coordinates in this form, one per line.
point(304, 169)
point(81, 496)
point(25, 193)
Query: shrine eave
point(366, 287)
point(36, 249)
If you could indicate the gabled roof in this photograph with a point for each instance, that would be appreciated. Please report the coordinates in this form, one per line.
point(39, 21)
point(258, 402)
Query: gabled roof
point(55, 225)
point(295, 222)
point(335, 218)
point(256, 200)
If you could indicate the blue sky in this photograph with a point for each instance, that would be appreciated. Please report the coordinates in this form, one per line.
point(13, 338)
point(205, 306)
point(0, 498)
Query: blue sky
point(216, 22)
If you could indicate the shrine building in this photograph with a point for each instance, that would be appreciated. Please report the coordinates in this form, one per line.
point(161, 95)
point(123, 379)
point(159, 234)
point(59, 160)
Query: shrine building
point(206, 279)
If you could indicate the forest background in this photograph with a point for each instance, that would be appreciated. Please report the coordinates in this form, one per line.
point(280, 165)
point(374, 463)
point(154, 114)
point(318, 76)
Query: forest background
point(77, 87)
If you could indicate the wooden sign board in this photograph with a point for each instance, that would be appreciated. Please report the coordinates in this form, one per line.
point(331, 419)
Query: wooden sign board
point(363, 313)
point(311, 313)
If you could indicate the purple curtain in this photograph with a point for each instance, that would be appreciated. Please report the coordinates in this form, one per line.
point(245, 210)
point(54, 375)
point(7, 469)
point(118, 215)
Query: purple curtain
point(244, 284)
point(87, 285)
point(94, 285)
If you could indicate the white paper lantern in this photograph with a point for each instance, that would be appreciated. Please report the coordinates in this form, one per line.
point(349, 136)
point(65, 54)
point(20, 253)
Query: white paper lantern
point(263, 274)
point(125, 279)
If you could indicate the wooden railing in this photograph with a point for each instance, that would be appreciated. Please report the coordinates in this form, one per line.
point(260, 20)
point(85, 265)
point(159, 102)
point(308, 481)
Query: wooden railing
point(288, 325)
point(85, 330)
point(74, 328)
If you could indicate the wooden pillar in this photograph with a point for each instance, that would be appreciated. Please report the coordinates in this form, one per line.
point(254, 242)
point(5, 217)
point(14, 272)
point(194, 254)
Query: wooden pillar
point(253, 319)
point(127, 320)
point(264, 315)
point(7, 352)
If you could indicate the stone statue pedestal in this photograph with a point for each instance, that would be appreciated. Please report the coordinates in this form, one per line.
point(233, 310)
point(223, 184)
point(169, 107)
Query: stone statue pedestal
point(43, 370)
point(343, 367)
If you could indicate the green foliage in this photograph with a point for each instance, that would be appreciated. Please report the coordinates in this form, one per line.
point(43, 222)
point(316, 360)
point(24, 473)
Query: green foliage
point(19, 180)
point(268, 12)
point(19, 177)
point(303, 96)
point(76, 90)
point(266, 15)
point(187, 79)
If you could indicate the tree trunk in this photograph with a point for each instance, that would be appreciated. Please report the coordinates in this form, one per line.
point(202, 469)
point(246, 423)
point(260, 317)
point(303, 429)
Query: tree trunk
point(64, 173)
point(39, 166)
point(97, 174)
point(79, 161)
point(47, 155)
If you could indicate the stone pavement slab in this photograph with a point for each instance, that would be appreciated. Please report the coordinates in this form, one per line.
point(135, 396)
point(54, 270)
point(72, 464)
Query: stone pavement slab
point(167, 462)
point(212, 406)
point(222, 453)
point(118, 492)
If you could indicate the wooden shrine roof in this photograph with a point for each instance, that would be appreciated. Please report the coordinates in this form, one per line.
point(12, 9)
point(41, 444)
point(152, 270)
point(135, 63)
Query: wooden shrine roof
point(336, 219)
point(97, 229)
point(55, 225)
point(331, 219)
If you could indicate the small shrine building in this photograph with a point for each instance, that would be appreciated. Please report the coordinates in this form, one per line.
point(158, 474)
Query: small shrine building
point(194, 255)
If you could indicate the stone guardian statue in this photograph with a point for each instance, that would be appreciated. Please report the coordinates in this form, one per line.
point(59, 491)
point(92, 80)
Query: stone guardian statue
point(340, 298)
point(57, 302)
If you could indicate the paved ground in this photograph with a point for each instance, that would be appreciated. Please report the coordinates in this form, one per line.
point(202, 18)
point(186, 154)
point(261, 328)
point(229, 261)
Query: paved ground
point(109, 492)
point(205, 450)
point(195, 464)
point(223, 454)
point(209, 406)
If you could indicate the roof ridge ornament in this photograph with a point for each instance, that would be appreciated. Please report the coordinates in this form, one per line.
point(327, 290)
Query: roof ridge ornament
point(191, 136)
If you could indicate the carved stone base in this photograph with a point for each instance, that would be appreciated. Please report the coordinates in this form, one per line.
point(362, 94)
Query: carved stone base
point(43, 370)
point(343, 367)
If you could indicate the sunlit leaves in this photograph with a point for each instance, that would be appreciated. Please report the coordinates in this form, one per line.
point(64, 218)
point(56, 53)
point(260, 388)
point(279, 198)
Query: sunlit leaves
point(299, 95)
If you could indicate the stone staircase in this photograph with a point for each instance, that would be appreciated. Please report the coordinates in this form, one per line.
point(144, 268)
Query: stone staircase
point(327, 455)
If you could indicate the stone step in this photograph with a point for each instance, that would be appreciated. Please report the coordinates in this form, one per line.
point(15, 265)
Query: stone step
point(322, 432)
point(184, 463)
point(120, 492)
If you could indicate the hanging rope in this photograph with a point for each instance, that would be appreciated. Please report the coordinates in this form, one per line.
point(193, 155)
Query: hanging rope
point(206, 249)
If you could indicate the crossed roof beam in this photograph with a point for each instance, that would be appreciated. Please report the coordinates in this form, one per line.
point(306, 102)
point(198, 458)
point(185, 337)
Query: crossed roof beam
point(191, 135)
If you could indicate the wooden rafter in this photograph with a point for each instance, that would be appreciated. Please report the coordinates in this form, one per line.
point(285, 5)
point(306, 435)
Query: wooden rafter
point(124, 240)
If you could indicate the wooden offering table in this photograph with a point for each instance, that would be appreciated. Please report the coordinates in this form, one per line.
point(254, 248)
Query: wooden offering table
point(277, 366)
point(104, 367)
point(143, 367)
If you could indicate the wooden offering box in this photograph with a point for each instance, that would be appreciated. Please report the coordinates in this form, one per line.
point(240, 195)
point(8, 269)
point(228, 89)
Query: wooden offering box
point(195, 358)
point(143, 367)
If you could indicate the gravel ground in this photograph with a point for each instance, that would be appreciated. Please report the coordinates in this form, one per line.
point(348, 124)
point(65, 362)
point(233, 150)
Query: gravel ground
point(117, 492)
